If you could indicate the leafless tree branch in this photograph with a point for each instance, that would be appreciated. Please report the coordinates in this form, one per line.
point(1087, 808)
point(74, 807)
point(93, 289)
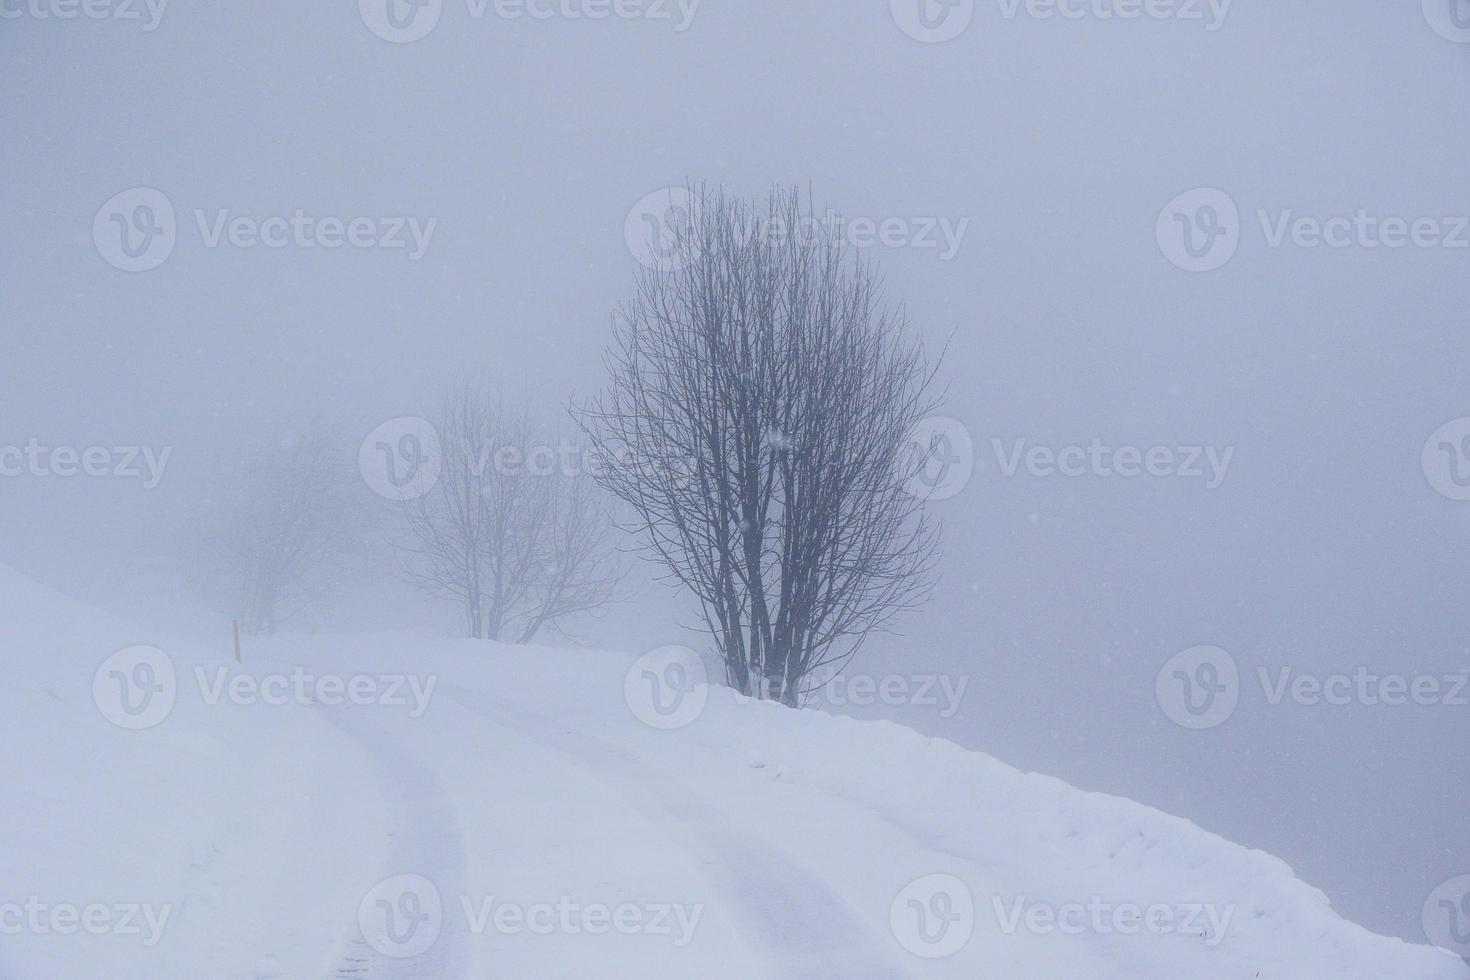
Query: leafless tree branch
point(761, 396)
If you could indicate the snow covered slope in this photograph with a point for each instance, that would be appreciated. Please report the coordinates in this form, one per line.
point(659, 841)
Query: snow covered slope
point(215, 844)
point(398, 806)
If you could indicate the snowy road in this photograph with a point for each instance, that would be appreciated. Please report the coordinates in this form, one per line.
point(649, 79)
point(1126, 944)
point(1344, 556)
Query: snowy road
point(792, 919)
point(761, 912)
point(424, 836)
point(506, 810)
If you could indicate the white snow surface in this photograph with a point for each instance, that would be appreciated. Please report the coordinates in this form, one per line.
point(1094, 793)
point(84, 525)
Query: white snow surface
point(554, 827)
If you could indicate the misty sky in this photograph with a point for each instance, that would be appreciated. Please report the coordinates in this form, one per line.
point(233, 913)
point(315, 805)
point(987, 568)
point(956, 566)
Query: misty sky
point(527, 142)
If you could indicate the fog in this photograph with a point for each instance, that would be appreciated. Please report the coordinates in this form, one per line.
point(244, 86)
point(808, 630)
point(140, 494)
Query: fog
point(1313, 535)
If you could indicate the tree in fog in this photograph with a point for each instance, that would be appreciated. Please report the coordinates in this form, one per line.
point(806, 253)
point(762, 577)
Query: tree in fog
point(505, 531)
point(280, 518)
point(762, 395)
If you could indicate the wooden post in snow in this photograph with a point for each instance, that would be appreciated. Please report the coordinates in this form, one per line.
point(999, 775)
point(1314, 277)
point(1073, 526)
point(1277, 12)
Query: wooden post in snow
point(236, 625)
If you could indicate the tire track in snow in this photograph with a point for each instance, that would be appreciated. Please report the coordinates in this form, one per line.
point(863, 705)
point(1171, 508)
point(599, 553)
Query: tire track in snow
point(790, 916)
point(426, 840)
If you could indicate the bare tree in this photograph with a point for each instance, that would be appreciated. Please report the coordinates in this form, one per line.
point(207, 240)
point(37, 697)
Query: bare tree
point(517, 542)
point(760, 401)
point(578, 571)
point(281, 518)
